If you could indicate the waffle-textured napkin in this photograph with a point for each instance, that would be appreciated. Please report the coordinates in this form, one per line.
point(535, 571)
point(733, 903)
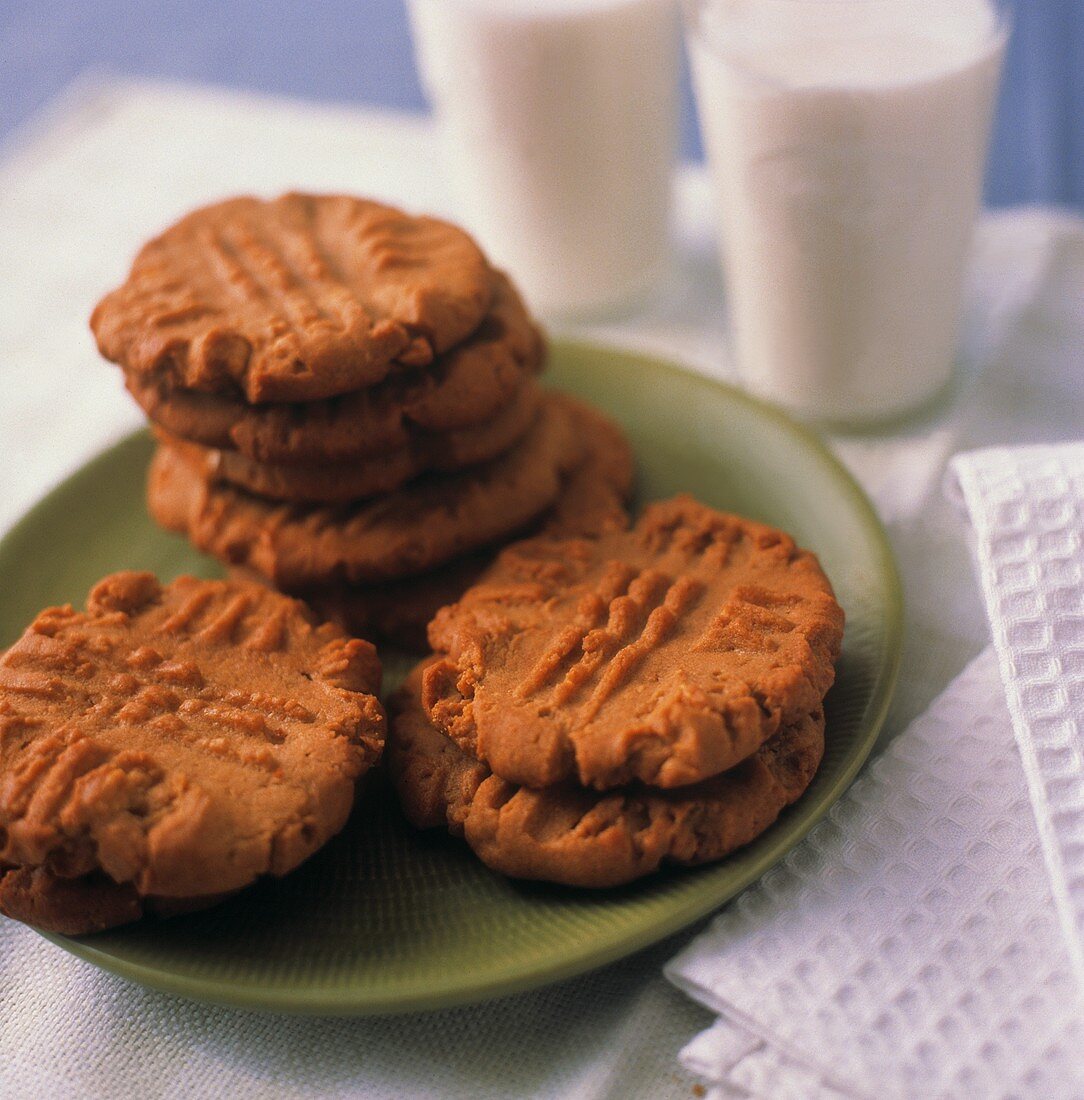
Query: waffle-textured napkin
point(909, 946)
point(1026, 507)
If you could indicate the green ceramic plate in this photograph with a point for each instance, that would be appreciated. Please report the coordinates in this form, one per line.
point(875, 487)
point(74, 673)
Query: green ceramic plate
point(389, 920)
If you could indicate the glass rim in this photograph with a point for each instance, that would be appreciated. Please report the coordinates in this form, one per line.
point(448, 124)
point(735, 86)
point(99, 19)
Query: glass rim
point(1000, 7)
point(693, 10)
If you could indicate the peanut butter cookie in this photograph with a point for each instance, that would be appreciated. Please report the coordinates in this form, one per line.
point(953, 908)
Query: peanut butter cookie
point(170, 744)
point(579, 837)
point(343, 482)
point(665, 654)
point(295, 299)
point(419, 527)
point(464, 387)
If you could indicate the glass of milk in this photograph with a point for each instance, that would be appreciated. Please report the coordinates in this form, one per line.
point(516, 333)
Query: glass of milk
point(559, 126)
point(847, 142)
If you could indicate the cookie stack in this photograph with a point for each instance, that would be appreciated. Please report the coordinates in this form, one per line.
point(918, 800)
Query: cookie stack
point(346, 402)
point(599, 706)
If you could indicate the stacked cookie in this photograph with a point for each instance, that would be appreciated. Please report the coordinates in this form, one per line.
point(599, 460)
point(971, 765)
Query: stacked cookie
point(346, 404)
point(597, 706)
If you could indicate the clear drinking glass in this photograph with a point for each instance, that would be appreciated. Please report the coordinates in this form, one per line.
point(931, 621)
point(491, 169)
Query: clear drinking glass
point(558, 119)
point(847, 141)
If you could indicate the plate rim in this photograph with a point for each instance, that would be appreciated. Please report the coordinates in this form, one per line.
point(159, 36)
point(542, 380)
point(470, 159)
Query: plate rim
point(354, 1003)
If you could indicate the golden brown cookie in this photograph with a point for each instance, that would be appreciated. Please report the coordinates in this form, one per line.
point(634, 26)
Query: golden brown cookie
point(343, 482)
point(89, 903)
point(593, 499)
point(464, 387)
point(579, 837)
point(295, 299)
point(419, 527)
point(665, 654)
point(174, 742)
point(397, 611)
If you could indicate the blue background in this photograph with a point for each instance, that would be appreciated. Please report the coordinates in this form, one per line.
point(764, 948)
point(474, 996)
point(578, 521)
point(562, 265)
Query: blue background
point(360, 52)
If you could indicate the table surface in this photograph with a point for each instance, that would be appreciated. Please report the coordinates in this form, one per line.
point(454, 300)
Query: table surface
point(360, 52)
point(109, 166)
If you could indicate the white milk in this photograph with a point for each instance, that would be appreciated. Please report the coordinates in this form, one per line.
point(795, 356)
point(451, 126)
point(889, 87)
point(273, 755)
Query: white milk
point(847, 143)
point(559, 126)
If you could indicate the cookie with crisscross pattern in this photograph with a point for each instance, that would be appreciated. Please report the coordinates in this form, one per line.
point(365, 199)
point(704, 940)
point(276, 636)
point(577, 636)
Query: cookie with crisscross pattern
point(171, 743)
point(580, 837)
point(665, 654)
point(294, 299)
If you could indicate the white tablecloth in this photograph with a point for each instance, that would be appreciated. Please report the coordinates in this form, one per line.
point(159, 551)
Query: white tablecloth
point(78, 192)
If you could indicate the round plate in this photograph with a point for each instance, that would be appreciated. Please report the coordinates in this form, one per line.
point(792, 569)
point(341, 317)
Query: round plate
point(386, 919)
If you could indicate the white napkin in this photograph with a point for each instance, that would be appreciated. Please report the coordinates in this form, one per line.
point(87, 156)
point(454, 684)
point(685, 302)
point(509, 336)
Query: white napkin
point(1027, 509)
point(909, 946)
